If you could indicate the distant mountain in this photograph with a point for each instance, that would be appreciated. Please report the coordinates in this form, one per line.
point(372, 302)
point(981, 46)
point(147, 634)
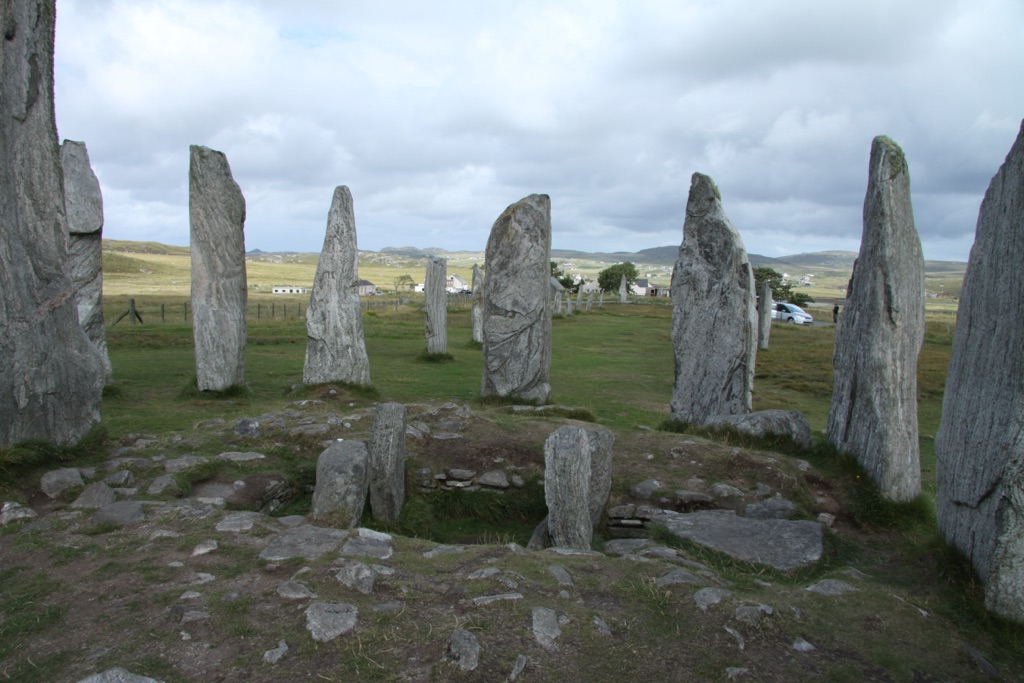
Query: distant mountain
point(130, 247)
point(822, 259)
point(414, 252)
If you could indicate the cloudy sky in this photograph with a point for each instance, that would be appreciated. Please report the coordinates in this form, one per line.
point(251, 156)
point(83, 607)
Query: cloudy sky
point(438, 115)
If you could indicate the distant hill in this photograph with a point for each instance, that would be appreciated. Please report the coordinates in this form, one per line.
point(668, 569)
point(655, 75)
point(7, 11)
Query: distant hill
point(130, 247)
point(414, 252)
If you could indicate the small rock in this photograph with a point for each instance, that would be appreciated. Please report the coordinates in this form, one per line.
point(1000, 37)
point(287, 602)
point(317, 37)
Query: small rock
point(832, 587)
point(827, 519)
point(601, 626)
point(463, 650)
point(443, 550)
point(645, 489)
point(274, 656)
point(356, 576)
point(120, 513)
point(722, 491)
point(496, 479)
point(737, 635)
point(545, 627)
point(249, 427)
point(517, 668)
point(706, 597)
point(56, 482)
point(561, 574)
point(801, 645)
point(15, 512)
point(488, 599)
point(677, 576)
point(238, 521)
point(295, 590)
point(120, 478)
point(164, 485)
point(736, 671)
point(326, 621)
point(204, 548)
point(235, 456)
point(118, 675)
point(186, 462)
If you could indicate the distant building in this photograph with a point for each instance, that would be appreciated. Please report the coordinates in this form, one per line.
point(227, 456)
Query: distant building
point(288, 289)
point(367, 288)
point(455, 284)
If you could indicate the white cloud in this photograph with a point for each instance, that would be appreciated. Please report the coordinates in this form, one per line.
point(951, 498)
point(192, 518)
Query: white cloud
point(438, 115)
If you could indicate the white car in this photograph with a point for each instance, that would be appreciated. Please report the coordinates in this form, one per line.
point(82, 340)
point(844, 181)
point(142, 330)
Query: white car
point(792, 313)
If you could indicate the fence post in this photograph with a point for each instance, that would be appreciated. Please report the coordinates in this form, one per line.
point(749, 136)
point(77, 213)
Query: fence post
point(162, 313)
point(272, 308)
point(257, 311)
point(184, 309)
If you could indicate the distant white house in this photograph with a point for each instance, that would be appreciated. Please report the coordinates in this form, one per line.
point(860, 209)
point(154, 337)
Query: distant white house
point(644, 287)
point(367, 288)
point(455, 284)
point(420, 287)
point(288, 289)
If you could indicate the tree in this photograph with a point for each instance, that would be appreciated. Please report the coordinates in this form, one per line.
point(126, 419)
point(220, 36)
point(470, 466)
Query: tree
point(781, 290)
point(609, 278)
point(404, 281)
point(563, 278)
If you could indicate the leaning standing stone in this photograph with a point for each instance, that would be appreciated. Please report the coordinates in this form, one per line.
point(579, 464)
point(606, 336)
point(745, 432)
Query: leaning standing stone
point(478, 305)
point(387, 462)
point(714, 322)
point(436, 305)
point(335, 349)
point(341, 484)
point(83, 203)
point(51, 375)
point(216, 211)
point(874, 398)
point(980, 444)
point(601, 441)
point(517, 317)
point(566, 486)
point(764, 315)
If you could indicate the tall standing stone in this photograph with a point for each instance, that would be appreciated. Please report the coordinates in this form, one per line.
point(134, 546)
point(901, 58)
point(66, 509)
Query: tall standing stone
point(83, 204)
point(436, 305)
point(335, 349)
point(342, 482)
point(714, 321)
point(764, 315)
point(623, 290)
point(874, 397)
point(599, 490)
point(566, 487)
point(217, 216)
point(51, 375)
point(517, 317)
point(980, 444)
point(387, 462)
point(478, 305)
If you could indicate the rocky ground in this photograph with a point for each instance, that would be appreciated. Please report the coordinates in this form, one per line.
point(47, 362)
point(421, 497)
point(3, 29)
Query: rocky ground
point(187, 557)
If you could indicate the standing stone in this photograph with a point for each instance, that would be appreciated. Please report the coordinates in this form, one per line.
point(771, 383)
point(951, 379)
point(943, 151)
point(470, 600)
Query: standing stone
point(579, 298)
point(51, 375)
point(335, 350)
point(341, 483)
point(714, 322)
point(436, 305)
point(83, 204)
point(567, 474)
point(558, 302)
point(387, 462)
point(478, 305)
point(599, 489)
point(764, 315)
point(517, 320)
point(980, 444)
point(874, 398)
point(216, 211)
point(622, 290)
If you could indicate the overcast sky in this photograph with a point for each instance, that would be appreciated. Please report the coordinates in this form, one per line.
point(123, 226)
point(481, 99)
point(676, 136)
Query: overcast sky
point(439, 114)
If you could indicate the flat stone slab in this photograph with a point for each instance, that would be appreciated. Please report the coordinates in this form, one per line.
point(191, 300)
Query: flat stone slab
point(327, 621)
point(308, 542)
point(238, 521)
point(120, 513)
point(779, 543)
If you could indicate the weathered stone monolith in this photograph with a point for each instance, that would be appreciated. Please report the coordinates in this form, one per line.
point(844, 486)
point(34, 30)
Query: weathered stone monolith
point(874, 398)
point(567, 474)
point(623, 290)
point(83, 203)
point(436, 305)
point(517, 317)
point(601, 443)
point(216, 211)
point(478, 305)
point(51, 375)
point(714, 322)
point(342, 480)
point(980, 444)
point(335, 350)
point(387, 462)
point(764, 315)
